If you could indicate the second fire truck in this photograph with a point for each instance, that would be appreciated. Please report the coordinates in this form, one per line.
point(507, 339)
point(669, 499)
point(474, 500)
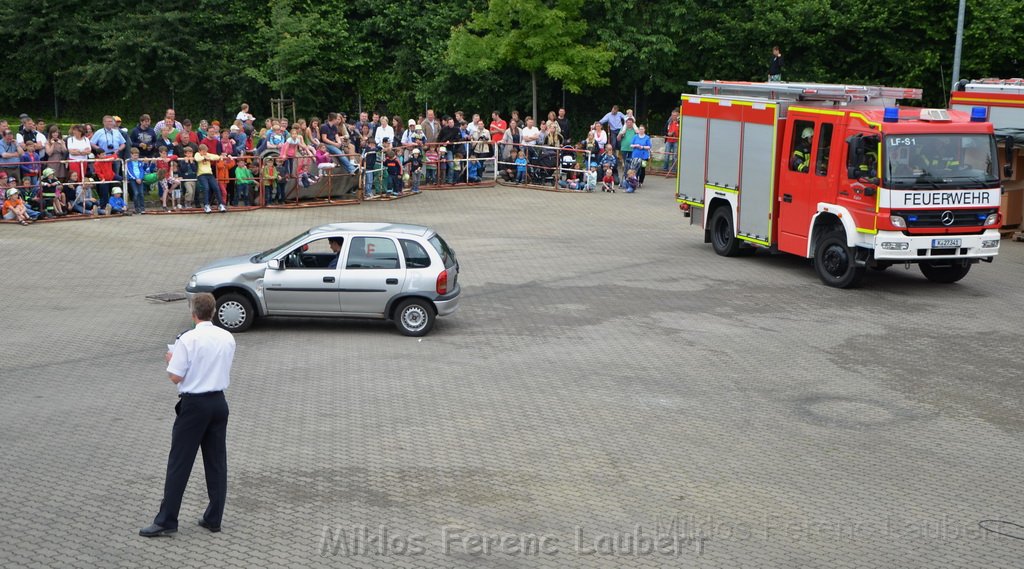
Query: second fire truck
point(839, 174)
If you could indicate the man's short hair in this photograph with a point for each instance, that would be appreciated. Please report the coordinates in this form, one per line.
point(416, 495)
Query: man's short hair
point(203, 305)
point(335, 240)
point(186, 122)
point(332, 116)
point(144, 118)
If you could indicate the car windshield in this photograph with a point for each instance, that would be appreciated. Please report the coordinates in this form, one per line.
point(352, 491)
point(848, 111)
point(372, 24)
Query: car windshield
point(940, 161)
point(275, 251)
point(442, 248)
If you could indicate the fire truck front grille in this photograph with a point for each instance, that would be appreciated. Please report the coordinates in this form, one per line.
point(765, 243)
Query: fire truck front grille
point(961, 217)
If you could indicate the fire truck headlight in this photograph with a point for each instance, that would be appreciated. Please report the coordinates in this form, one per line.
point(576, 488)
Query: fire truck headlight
point(992, 219)
point(895, 246)
point(898, 221)
point(989, 243)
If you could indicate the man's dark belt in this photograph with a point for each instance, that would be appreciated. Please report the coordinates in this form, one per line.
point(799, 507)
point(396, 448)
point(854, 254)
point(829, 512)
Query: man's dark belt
point(203, 394)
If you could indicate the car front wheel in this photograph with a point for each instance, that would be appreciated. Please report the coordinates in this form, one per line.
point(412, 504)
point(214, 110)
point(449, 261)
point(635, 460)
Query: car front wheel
point(234, 312)
point(414, 317)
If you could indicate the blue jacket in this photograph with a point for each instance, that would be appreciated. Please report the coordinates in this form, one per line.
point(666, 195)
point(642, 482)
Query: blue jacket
point(116, 202)
point(187, 170)
point(145, 136)
point(137, 169)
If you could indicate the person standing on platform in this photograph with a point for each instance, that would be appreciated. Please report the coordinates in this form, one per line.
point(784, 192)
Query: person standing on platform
point(775, 66)
point(199, 363)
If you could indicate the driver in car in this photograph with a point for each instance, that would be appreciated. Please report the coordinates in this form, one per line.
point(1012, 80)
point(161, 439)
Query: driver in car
point(335, 244)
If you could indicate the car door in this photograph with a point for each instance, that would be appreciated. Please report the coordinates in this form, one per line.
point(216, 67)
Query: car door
point(303, 286)
point(373, 272)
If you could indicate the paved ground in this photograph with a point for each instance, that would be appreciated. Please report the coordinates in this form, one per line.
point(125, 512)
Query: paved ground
point(606, 372)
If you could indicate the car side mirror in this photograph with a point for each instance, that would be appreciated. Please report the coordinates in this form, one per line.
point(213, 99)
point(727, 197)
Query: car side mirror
point(274, 264)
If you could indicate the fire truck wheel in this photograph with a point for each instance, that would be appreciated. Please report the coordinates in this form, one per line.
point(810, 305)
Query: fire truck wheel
point(836, 263)
point(945, 273)
point(723, 238)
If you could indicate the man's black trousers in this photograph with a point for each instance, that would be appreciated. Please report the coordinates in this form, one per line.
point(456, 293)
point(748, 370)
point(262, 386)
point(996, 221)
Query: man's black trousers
point(202, 422)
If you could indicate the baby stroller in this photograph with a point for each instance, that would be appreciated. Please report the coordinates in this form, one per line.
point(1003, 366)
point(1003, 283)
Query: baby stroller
point(542, 167)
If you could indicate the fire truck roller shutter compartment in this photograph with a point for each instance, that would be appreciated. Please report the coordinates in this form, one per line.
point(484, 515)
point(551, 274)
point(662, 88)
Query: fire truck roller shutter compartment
point(757, 174)
point(693, 151)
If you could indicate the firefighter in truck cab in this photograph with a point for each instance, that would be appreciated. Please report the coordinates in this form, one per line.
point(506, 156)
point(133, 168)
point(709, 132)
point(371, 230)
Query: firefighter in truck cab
point(801, 159)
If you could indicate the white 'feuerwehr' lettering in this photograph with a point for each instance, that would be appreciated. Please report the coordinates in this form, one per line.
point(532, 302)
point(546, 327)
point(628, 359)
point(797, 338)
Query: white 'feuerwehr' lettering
point(939, 199)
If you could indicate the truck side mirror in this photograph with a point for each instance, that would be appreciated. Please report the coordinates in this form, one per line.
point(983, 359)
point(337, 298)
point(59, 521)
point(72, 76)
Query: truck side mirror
point(854, 155)
point(1008, 141)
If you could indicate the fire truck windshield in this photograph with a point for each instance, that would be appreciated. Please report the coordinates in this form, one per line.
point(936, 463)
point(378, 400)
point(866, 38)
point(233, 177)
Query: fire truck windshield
point(940, 161)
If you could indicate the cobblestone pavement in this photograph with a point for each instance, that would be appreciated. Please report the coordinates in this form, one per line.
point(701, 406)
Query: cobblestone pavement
point(607, 376)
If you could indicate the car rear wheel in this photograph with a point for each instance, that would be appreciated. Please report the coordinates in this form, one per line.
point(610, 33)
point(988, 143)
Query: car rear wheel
point(945, 273)
point(414, 317)
point(234, 312)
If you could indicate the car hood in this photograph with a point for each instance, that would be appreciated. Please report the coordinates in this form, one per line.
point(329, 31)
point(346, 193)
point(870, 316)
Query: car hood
point(229, 262)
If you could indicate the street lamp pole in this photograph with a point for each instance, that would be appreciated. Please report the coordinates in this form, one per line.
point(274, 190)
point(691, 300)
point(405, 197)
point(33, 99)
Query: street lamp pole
point(959, 42)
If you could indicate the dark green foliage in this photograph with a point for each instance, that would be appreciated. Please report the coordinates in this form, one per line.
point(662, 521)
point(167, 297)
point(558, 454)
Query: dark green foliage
point(400, 56)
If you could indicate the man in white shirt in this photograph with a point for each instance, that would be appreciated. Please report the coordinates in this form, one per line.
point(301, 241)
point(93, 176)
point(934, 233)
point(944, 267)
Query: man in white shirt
point(200, 365)
point(530, 137)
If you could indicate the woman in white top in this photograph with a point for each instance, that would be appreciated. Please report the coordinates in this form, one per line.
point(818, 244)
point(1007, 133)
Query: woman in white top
point(600, 136)
point(79, 150)
point(384, 130)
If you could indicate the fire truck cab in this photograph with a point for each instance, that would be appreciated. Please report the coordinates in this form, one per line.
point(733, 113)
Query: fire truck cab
point(839, 174)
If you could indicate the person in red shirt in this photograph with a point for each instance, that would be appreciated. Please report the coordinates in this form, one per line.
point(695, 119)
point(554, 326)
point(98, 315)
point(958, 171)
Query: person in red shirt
point(672, 141)
point(498, 127)
point(212, 140)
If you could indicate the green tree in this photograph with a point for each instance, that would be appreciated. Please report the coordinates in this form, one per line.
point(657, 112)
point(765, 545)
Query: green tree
point(532, 36)
point(301, 51)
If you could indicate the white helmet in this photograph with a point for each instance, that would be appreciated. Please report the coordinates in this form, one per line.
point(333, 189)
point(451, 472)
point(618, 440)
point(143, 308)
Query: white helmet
point(11, 192)
point(807, 133)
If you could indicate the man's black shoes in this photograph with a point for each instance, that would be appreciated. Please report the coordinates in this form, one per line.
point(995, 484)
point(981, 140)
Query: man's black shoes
point(157, 531)
point(208, 525)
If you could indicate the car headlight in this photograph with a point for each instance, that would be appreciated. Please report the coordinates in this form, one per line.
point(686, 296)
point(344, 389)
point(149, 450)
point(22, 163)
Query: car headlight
point(992, 219)
point(898, 221)
point(192, 282)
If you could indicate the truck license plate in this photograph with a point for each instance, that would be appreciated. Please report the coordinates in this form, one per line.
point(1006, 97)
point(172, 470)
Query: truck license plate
point(945, 243)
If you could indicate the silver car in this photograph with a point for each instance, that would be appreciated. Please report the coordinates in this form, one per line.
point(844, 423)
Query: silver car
point(404, 273)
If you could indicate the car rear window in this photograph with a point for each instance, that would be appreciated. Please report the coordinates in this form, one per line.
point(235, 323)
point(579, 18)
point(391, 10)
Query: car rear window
point(372, 253)
point(442, 248)
point(416, 256)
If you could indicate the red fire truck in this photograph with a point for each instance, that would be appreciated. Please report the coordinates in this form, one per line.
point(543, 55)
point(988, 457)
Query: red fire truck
point(839, 174)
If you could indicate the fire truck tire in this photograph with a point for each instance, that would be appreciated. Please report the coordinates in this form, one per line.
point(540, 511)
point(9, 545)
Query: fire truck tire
point(723, 237)
point(945, 273)
point(835, 262)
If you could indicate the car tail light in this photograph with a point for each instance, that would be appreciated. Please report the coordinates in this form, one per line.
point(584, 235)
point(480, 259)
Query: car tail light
point(442, 282)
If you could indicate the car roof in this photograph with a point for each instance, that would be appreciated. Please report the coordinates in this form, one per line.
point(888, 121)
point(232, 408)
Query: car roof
point(376, 227)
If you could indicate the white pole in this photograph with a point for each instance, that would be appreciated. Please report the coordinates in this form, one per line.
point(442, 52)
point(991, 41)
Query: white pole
point(959, 42)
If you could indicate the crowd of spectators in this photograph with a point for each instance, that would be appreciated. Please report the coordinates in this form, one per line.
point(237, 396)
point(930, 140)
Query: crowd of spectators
point(174, 165)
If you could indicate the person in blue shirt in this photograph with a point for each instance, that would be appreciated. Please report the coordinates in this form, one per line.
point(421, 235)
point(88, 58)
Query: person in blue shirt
point(610, 162)
point(137, 170)
point(107, 141)
point(117, 204)
point(520, 168)
point(144, 137)
point(614, 121)
point(641, 153)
